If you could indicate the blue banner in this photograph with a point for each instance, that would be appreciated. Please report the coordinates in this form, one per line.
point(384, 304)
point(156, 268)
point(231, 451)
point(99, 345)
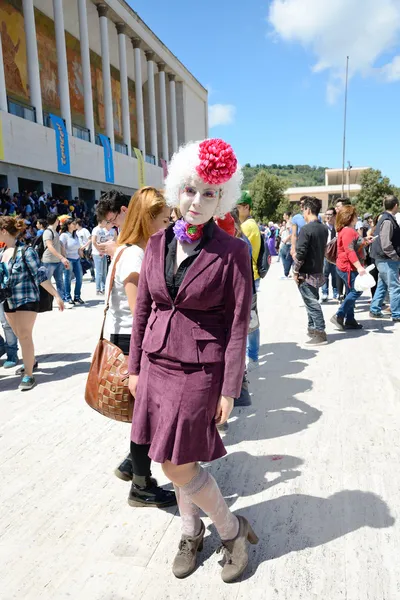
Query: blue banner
point(62, 143)
point(108, 158)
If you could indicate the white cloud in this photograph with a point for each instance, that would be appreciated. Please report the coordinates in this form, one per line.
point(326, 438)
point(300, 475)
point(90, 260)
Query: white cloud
point(221, 114)
point(333, 29)
point(391, 71)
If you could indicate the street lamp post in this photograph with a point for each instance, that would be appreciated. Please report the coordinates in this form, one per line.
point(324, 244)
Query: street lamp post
point(345, 124)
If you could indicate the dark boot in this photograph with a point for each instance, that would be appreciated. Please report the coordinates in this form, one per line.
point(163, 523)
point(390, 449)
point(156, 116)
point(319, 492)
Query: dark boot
point(244, 398)
point(310, 332)
point(125, 469)
point(185, 560)
point(145, 492)
point(235, 551)
point(353, 325)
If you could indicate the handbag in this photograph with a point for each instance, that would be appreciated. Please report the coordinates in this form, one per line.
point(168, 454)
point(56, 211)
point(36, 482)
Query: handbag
point(331, 251)
point(107, 386)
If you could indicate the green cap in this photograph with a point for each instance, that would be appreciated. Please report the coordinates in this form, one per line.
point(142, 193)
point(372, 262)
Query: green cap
point(245, 198)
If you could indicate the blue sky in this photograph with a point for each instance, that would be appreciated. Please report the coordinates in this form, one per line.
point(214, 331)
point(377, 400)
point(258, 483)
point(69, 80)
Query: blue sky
point(280, 65)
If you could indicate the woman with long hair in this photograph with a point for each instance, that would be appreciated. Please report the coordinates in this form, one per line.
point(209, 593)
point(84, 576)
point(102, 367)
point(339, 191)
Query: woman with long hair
point(21, 274)
point(188, 347)
point(349, 263)
point(72, 247)
point(147, 214)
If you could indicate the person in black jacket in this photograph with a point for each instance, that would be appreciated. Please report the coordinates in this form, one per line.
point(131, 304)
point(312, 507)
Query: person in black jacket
point(385, 250)
point(308, 269)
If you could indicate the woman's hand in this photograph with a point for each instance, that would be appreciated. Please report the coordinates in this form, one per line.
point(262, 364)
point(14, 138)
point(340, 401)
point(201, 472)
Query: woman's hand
point(362, 271)
point(224, 409)
point(133, 381)
point(60, 302)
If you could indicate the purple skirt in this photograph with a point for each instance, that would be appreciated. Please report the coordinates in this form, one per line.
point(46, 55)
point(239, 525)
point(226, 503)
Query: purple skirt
point(175, 408)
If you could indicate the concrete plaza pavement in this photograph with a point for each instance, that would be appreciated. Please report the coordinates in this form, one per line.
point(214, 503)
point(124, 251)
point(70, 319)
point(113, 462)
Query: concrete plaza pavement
point(313, 464)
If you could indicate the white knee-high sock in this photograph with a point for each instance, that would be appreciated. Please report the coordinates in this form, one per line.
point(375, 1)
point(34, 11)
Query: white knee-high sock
point(204, 492)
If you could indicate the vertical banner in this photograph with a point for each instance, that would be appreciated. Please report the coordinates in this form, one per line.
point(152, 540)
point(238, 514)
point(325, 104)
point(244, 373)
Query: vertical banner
point(108, 158)
point(1, 139)
point(141, 168)
point(164, 165)
point(62, 144)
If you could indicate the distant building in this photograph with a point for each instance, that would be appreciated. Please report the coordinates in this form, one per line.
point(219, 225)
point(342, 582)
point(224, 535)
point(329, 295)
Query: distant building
point(333, 187)
point(90, 99)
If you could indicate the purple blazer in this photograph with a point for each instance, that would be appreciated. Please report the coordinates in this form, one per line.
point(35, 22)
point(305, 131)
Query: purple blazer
point(209, 320)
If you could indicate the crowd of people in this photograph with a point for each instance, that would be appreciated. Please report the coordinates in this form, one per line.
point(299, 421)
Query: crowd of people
point(32, 206)
point(180, 272)
point(336, 252)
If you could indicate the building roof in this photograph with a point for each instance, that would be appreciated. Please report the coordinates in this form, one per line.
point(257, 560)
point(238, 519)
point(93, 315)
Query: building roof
point(149, 31)
point(316, 189)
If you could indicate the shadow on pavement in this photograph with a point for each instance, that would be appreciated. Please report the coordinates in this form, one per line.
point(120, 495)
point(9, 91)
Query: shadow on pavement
point(62, 356)
point(55, 373)
point(251, 472)
point(276, 411)
point(295, 522)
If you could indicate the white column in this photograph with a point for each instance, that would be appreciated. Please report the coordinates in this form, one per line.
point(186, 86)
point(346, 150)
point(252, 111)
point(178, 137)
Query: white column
point(102, 9)
point(86, 71)
point(63, 85)
point(123, 71)
point(152, 104)
point(32, 59)
point(174, 124)
point(3, 89)
point(163, 106)
point(136, 43)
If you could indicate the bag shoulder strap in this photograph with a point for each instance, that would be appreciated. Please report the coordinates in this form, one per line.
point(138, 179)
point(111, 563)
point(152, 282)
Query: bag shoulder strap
point(112, 278)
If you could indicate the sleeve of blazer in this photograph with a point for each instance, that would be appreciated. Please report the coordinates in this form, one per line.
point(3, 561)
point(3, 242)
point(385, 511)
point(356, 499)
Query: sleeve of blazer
point(142, 313)
point(239, 294)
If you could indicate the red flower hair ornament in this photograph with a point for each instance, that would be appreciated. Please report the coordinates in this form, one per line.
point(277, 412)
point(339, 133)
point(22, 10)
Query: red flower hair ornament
point(218, 162)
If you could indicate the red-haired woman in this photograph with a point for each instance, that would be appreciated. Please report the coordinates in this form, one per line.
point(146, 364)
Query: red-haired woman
point(147, 213)
point(349, 264)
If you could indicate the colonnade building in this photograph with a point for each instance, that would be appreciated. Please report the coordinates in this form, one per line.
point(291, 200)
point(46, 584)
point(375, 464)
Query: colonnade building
point(90, 99)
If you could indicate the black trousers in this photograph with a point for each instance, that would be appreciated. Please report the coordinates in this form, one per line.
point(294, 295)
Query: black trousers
point(141, 463)
point(340, 286)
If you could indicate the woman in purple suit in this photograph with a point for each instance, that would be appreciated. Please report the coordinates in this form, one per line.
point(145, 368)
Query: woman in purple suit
point(188, 346)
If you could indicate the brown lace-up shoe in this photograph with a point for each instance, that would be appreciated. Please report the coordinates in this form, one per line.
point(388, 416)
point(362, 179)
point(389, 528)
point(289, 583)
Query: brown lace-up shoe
point(186, 559)
point(235, 551)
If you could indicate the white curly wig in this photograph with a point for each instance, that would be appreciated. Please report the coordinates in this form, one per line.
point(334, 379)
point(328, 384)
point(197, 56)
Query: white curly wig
point(193, 161)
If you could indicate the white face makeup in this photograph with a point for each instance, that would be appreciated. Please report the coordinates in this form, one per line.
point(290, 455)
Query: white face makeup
point(198, 201)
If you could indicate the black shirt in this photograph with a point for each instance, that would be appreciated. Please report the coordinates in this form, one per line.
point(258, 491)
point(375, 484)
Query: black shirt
point(174, 280)
point(311, 246)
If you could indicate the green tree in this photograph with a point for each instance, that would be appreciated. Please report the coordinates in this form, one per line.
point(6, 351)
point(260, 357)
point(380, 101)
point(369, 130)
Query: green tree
point(283, 207)
point(267, 192)
point(374, 187)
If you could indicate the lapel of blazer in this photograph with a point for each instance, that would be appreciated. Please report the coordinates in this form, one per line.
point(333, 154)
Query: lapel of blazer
point(207, 257)
point(159, 276)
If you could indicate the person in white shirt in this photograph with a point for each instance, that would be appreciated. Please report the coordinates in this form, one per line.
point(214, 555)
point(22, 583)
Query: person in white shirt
point(147, 213)
point(83, 234)
point(101, 234)
point(85, 240)
point(72, 248)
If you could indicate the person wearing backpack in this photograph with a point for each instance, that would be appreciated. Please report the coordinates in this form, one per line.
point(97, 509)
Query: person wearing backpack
point(258, 251)
point(251, 231)
point(53, 258)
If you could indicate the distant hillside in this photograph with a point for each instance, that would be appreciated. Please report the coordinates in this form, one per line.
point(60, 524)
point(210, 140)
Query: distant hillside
point(293, 175)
